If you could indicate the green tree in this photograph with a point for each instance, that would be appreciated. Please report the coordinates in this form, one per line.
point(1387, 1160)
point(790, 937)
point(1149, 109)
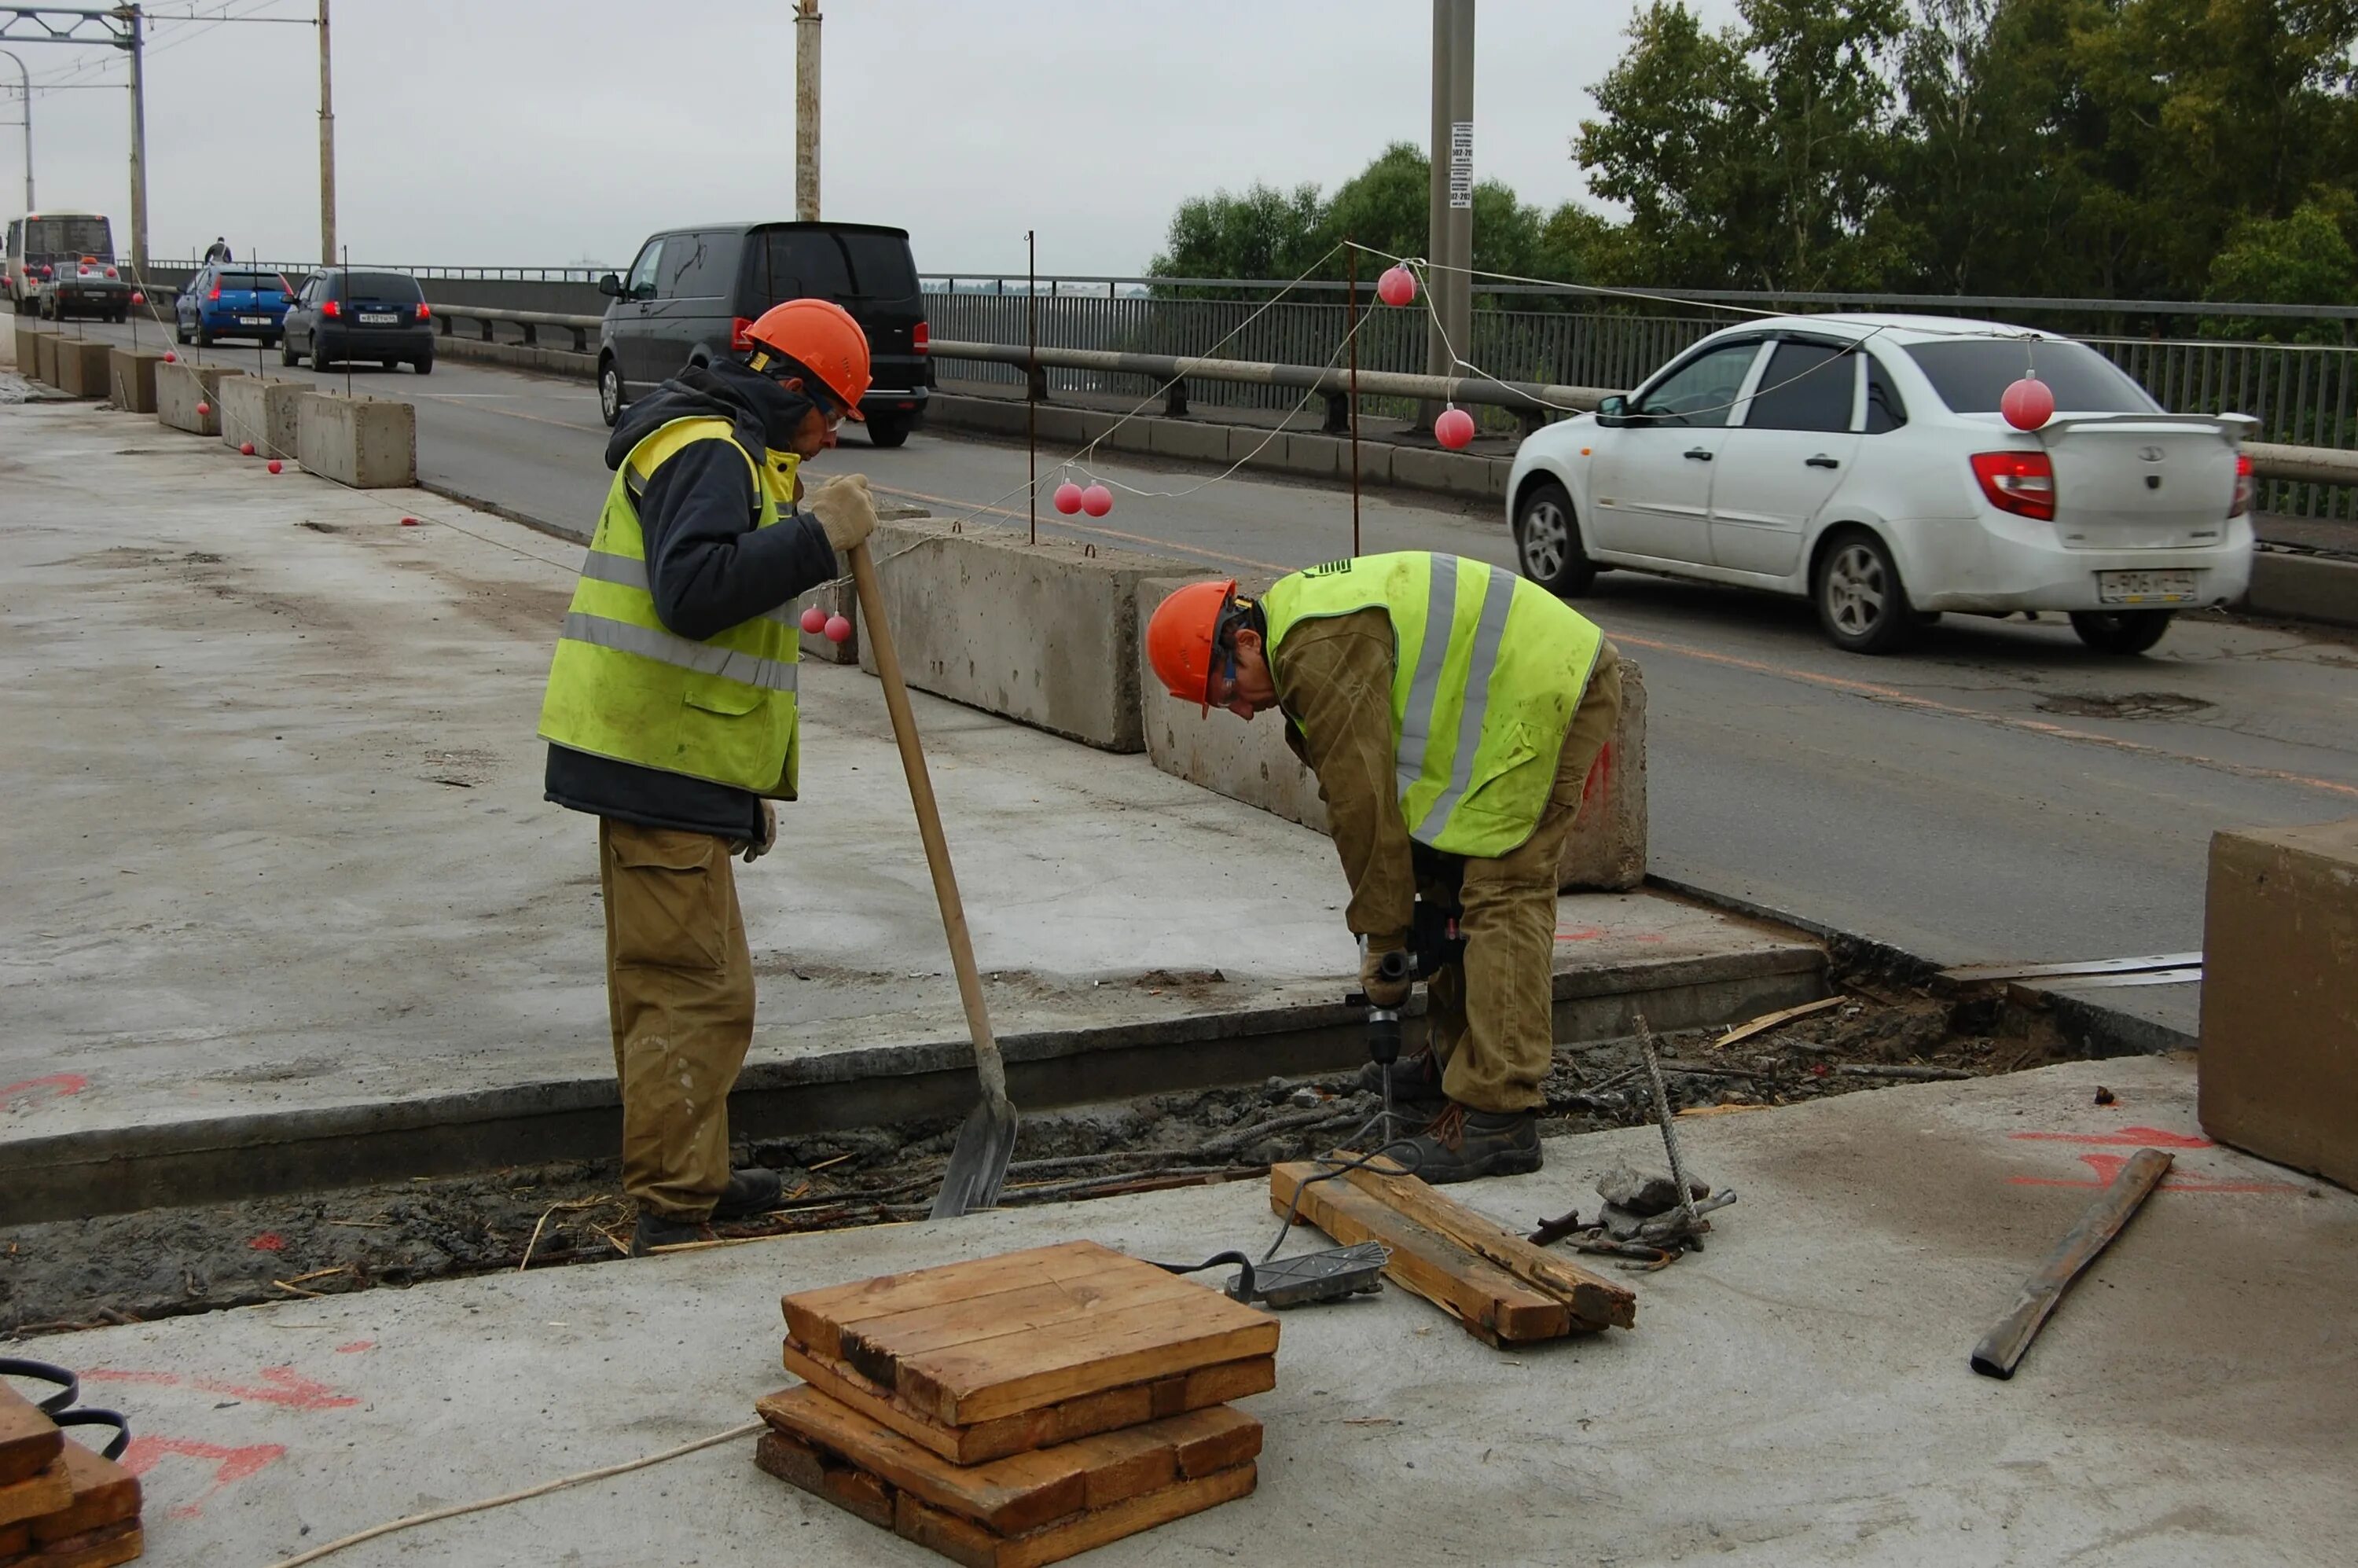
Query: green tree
point(2305, 259)
point(1265, 232)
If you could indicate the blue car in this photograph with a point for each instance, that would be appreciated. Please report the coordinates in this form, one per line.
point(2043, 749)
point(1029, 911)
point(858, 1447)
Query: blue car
point(228, 301)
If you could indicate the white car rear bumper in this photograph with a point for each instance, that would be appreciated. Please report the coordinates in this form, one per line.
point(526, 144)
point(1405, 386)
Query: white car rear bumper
point(2000, 562)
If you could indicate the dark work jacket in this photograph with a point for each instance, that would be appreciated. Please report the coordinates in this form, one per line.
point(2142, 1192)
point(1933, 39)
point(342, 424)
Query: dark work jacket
point(708, 569)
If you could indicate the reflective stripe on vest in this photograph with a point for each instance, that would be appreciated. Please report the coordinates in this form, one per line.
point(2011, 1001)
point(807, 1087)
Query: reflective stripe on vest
point(623, 686)
point(1489, 670)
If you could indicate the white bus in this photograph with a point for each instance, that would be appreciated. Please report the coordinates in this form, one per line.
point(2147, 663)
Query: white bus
point(61, 264)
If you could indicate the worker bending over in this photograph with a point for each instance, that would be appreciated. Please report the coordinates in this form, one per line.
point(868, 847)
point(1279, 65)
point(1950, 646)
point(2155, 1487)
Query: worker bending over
point(1452, 712)
point(671, 718)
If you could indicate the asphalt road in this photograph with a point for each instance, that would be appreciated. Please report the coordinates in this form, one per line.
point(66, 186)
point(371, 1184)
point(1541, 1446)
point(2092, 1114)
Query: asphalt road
point(1998, 792)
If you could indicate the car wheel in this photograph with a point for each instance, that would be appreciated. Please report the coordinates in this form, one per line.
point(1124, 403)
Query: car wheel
point(180, 333)
point(423, 364)
point(1547, 541)
point(886, 431)
point(1861, 602)
point(610, 391)
point(204, 336)
point(2121, 631)
point(286, 354)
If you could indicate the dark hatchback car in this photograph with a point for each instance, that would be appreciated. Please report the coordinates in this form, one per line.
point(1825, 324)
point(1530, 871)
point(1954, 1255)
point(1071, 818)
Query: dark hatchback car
point(692, 295)
point(353, 314)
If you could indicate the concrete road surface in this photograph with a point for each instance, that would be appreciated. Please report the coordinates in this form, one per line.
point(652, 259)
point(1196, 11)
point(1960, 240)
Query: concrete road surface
point(1999, 792)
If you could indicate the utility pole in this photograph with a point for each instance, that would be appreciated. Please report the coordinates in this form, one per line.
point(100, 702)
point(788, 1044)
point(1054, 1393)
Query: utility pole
point(30, 205)
point(133, 44)
point(327, 148)
point(807, 21)
point(1451, 212)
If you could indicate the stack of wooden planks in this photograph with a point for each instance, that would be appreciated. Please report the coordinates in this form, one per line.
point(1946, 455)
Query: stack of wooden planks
point(1018, 1410)
point(61, 1505)
point(1503, 1288)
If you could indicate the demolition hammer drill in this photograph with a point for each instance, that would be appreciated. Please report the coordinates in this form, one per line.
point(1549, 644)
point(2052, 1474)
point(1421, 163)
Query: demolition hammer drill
point(1434, 941)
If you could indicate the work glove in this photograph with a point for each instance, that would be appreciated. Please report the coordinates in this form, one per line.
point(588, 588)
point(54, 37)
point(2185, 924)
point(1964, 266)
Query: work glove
point(760, 847)
point(845, 508)
point(1383, 992)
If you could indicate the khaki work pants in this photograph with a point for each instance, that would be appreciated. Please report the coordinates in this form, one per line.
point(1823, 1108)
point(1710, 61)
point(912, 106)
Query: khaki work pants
point(1492, 1018)
point(679, 990)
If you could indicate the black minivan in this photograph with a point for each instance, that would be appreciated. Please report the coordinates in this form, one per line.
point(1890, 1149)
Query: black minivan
point(693, 293)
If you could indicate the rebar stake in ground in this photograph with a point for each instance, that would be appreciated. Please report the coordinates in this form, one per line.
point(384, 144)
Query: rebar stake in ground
point(1670, 1135)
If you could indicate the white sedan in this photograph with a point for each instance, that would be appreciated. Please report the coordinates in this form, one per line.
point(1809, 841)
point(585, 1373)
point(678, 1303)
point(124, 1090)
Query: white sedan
point(1861, 460)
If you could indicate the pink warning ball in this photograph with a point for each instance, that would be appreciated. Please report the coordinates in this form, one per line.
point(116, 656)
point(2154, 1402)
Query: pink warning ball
point(1397, 286)
point(204, 410)
point(409, 522)
point(1455, 428)
point(2027, 403)
point(276, 465)
point(138, 299)
point(1068, 498)
point(839, 629)
point(1097, 500)
point(245, 448)
point(170, 357)
point(814, 619)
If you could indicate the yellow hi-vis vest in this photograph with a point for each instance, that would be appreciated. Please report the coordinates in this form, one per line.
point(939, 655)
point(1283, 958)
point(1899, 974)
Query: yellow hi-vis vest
point(625, 686)
point(1487, 669)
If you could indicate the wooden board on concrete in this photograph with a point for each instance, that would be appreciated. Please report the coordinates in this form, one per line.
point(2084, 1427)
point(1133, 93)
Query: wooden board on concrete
point(100, 1548)
point(1105, 1410)
point(34, 1496)
point(29, 1440)
point(1140, 1486)
point(1595, 1301)
point(1024, 1491)
point(997, 1336)
point(105, 1494)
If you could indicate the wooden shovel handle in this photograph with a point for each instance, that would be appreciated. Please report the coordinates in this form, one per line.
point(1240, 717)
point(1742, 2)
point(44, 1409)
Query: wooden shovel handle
point(873, 626)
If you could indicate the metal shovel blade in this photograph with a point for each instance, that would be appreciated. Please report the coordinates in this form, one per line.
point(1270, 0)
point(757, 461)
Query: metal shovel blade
point(978, 1160)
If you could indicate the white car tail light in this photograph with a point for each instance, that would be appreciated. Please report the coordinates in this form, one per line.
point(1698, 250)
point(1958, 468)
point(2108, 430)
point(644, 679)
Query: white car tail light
point(2017, 481)
point(2242, 503)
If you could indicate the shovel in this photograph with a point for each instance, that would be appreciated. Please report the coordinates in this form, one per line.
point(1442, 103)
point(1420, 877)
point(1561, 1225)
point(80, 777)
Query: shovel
point(987, 1141)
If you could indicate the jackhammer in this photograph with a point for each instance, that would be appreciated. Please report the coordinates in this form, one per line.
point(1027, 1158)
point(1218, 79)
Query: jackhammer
point(1433, 942)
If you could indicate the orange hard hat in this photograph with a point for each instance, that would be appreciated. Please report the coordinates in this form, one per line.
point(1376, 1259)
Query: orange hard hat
point(1184, 633)
point(820, 336)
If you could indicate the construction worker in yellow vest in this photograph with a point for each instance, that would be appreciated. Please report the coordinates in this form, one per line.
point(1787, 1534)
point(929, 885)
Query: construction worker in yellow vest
point(671, 718)
point(1452, 712)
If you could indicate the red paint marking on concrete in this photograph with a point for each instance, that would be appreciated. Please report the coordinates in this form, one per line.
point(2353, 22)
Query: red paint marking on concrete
point(231, 1464)
point(268, 1241)
point(58, 1085)
point(280, 1386)
point(2107, 1166)
point(1581, 934)
point(1648, 936)
point(356, 1347)
point(117, 1375)
point(2128, 1137)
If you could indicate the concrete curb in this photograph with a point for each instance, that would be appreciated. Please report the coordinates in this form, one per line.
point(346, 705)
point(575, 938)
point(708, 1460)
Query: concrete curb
point(523, 356)
point(2304, 588)
point(221, 1159)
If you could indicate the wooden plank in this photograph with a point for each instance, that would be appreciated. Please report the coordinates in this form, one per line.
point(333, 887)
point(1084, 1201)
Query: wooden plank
point(800, 1464)
point(1014, 1372)
point(966, 1542)
point(813, 1317)
point(1595, 1301)
point(104, 1493)
point(102, 1548)
point(877, 1347)
point(1768, 1020)
point(1022, 1491)
point(1974, 974)
point(15, 1540)
point(1494, 1305)
point(30, 1440)
point(34, 1496)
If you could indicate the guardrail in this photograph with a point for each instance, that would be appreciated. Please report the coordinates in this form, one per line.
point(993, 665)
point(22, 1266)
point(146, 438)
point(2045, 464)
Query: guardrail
point(531, 321)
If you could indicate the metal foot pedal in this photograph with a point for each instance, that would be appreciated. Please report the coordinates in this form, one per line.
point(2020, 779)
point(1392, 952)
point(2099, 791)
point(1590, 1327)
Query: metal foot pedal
point(1325, 1276)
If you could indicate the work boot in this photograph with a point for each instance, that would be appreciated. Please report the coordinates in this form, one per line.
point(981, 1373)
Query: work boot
point(1462, 1143)
point(752, 1190)
point(1416, 1078)
point(656, 1231)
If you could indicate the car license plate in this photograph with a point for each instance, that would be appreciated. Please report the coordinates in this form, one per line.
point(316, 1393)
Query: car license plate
point(379, 318)
point(253, 320)
point(2144, 588)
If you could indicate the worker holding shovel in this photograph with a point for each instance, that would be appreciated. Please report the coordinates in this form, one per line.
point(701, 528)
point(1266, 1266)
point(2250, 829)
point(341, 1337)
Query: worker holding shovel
point(1452, 712)
point(671, 718)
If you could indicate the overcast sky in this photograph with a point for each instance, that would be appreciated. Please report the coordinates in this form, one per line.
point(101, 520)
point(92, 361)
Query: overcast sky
point(544, 132)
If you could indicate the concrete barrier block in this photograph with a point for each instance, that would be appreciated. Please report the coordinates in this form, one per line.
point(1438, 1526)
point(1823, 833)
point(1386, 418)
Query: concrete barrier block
point(28, 347)
point(263, 411)
point(985, 416)
point(1246, 761)
point(1178, 438)
point(1606, 851)
point(1320, 456)
point(1452, 474)
point(2304, 588)
point(45, 358)
point(365, 442)
point(82, 365)
point(1046, 634)
point(131, 379)
point(180, 387)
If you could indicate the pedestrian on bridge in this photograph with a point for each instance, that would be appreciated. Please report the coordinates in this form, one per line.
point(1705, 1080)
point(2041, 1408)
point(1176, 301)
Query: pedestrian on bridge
point(1451, 711)
point(671, 718)
point(218, 250)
